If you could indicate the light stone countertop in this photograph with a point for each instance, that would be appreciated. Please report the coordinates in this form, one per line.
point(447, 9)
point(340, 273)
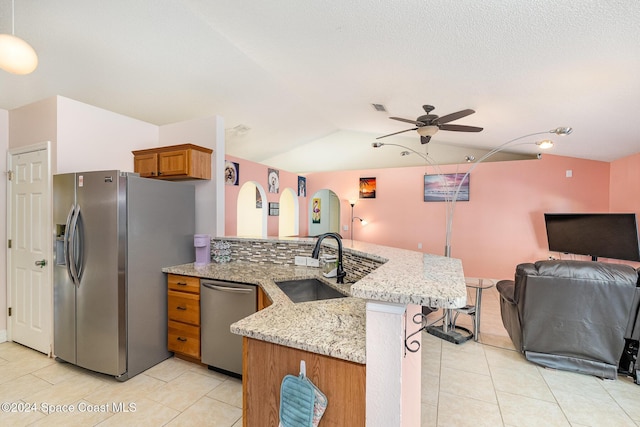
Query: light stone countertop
point(337, 327)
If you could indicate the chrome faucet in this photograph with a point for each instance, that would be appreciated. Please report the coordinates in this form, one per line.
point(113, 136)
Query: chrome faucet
point(340, 273)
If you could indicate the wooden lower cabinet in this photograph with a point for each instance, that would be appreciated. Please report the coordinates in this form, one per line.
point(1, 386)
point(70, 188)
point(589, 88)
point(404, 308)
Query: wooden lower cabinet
point(263, 299)
point(265, 365)
point(183, 305)
point(184, 339)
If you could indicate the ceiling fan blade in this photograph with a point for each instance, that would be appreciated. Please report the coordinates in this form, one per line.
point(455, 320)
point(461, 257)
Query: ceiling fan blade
point(408, 121)
point(395, 133)
point(455, 116)
point(460, 128)
point(425, 139)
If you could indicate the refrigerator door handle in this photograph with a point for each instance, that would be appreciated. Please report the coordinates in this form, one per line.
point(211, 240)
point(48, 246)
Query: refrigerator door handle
point(67, 260)
point(227, 288)
point(73, 245)
point(80, 255)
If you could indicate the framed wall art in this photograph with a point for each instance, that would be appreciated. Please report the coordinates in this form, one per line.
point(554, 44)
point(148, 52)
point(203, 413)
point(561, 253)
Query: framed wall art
point(367, 188)
point(231, 173)
point(274, 209)
point(315, 210)
point(273, 179)
point(442, 187)
point(258, 199)
point(302, 186)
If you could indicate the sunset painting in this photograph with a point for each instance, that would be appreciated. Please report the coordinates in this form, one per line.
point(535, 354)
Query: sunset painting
point(439, 188)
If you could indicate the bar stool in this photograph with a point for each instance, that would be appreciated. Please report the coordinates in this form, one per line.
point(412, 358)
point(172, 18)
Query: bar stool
point(473, 309)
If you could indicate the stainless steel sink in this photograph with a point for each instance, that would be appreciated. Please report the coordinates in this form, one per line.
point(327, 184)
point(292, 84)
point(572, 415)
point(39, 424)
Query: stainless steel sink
point(303, 290)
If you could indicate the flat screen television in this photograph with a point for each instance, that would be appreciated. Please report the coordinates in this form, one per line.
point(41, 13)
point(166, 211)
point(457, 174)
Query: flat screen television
point(607, 235)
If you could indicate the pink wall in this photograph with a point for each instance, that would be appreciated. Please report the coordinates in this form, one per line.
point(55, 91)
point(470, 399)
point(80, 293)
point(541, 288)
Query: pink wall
point(625, 184)
point(501, 226)
point(251, 171)
point(624, 187)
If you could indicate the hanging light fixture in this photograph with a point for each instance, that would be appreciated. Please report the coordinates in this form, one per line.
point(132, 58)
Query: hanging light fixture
point(16, 55)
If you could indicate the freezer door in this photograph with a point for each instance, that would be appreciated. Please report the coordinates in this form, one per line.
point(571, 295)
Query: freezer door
point(64, 291)
point(100, 293)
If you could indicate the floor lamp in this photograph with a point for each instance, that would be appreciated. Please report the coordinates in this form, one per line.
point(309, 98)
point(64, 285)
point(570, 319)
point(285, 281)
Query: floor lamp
point(362, 221)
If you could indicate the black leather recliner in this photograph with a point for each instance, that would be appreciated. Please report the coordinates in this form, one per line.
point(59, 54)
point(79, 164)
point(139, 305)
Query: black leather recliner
point(571, 315)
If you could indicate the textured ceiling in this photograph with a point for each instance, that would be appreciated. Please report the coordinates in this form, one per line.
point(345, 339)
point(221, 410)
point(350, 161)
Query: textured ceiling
point(302, 75)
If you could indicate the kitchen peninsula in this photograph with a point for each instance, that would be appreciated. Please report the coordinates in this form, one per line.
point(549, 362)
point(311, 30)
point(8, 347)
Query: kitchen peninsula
point(331, 335)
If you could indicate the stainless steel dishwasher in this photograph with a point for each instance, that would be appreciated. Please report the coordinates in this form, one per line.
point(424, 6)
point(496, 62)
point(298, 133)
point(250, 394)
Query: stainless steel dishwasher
point(221, 304)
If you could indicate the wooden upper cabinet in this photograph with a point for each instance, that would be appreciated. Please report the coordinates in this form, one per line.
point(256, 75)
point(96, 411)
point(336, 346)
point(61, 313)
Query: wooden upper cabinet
point(175, 162)
point(146, 164)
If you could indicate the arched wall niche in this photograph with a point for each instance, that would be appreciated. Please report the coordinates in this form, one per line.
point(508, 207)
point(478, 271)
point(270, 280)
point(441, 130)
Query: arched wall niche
point(251, 210)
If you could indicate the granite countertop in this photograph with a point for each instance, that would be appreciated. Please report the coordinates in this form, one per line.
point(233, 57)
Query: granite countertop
point(336, 327)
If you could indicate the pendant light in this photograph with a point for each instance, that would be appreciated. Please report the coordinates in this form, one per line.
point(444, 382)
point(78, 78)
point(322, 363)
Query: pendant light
point(16, 55)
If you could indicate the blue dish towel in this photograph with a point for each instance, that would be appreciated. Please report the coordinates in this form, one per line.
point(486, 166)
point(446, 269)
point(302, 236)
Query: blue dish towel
point(302, 404)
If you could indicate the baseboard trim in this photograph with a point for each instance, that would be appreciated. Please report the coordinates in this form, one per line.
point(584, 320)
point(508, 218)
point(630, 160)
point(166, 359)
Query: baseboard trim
point(3, 335)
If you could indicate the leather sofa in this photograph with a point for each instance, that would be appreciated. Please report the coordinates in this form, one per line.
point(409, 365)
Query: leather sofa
point(572, 315)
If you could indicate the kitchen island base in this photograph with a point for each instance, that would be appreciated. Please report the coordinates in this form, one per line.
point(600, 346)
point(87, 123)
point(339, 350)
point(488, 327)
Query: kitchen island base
point(266, 364)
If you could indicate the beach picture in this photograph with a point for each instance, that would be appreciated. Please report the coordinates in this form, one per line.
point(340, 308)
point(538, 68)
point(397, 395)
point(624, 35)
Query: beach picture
point(442, 187)
point(367, 188)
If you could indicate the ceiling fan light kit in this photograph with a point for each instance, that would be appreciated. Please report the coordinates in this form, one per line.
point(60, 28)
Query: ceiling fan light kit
point(16, 55)
point(427, 130)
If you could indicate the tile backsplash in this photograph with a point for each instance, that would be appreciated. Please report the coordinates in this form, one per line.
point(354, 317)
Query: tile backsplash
point(284, 252)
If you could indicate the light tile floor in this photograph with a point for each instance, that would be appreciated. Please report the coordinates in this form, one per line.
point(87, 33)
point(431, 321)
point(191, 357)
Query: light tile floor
point(172, 393)
point(488, 383)
point(472, 384)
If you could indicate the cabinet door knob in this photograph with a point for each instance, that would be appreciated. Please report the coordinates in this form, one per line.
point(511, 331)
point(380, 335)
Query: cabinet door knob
point(181, 307)
point(182, 339)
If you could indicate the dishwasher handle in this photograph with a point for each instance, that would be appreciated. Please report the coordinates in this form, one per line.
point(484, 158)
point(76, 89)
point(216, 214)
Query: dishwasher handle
point(227, 288)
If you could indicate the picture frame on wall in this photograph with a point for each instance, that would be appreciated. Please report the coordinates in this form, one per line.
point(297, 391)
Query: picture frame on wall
point(258, 199)
point(231, 173)
point(315, 210)
point(273, 180)
point(367, 188)
point(302, 186)
point(274, 209)
point(442, 187)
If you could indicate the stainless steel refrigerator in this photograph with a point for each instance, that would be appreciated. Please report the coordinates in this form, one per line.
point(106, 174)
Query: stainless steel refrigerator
point(114, 231)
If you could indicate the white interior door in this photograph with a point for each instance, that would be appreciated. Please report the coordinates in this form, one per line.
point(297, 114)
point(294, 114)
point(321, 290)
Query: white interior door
point(29, 272)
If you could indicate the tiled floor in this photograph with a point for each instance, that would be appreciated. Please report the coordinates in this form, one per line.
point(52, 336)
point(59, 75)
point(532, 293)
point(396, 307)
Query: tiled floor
point(472, 384)
point(173, 393)
point(490, 384)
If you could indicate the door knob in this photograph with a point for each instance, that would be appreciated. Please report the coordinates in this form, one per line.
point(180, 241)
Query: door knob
point(41, 263)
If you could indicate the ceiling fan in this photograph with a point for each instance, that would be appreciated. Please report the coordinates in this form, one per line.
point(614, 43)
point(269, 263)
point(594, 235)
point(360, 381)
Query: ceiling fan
point(429, 124)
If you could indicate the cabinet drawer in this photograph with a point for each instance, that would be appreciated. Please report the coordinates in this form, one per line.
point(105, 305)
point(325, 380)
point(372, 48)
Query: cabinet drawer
point(184, 339)
point(184, 307)
point(183, 283)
